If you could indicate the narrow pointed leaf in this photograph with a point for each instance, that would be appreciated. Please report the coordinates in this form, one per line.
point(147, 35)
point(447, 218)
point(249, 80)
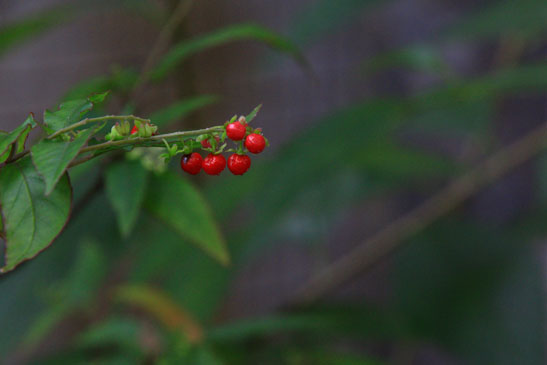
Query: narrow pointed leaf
point(4, 156)
point(7, 139)
point(52, 157)
point(160, 306)
point(185, 49)
point(31, 219)
point(178, 204)
point(22, 140)
point(249, 118)
point(126, 183)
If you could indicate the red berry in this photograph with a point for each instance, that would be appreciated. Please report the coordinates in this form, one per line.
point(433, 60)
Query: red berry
point(206, 144)
point(214, 164)
point(191, 163)
point(239, 164)
point(236, 131)
point(255, 143)
point(134, 130)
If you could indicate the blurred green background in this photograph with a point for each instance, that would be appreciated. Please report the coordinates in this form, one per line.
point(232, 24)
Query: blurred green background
point(371, 107)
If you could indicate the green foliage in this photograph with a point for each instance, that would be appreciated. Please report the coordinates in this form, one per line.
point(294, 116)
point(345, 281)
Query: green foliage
point(249, 118)
point(185, 49)
point(18, 135)
point(70, 112)
point(474, 291)
point(126, 183)
point(52, 157)
point(179, 205)
point(31, 219)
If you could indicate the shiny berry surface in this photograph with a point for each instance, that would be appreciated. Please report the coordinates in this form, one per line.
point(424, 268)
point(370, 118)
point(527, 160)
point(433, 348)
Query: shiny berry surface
point(255, 143)
point(191, 163)
point(214, 164)
point(134, 130)
point(206, 144)
point(239, 164)
point(236, 131)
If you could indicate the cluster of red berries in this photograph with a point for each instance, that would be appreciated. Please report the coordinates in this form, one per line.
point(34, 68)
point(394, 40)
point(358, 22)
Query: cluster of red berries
point(215, 163)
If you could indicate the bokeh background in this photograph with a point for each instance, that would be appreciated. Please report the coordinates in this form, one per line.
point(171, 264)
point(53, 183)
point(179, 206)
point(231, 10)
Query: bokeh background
point(371, 108)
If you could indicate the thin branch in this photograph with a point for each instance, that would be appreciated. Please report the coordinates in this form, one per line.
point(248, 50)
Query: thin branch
point(95, 120)
point(391, 237)
point(141, 140)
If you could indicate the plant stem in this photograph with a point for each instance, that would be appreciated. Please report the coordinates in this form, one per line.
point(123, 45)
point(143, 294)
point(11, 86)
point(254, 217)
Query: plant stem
point(394, 235)
point(159, 137)
point(95, 120)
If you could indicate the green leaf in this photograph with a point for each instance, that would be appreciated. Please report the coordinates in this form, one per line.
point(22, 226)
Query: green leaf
point(4, 156)
point(98, 98)
point(178, 110)
point(249, 118)
point(185, 49)
point(22, 140)
point(52, 157)
point(31, 219)
point(176, 202)
point(126, 183)
point(7, 139)
point(71, 112)
point(23, 30)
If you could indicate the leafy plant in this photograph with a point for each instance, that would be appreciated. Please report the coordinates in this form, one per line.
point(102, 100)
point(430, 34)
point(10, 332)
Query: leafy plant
point(36, 192)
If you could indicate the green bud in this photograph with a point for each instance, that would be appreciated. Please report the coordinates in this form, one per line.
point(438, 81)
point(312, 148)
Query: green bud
point(146, 129)
point(124, 128)
point(115, 134)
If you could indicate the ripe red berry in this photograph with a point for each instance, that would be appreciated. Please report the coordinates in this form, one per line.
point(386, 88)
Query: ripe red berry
point(191, 163)
point(206, 144)
point(134, 130)
point(255, 143)
point(236, 131)
point(239, 164)
point(214, 164)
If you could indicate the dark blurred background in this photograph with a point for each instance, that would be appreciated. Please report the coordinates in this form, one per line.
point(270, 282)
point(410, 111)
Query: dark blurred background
point(371, 108)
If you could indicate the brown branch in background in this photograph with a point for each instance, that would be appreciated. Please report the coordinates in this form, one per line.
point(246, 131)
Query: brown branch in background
point(161, 44)
point(391, 237)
